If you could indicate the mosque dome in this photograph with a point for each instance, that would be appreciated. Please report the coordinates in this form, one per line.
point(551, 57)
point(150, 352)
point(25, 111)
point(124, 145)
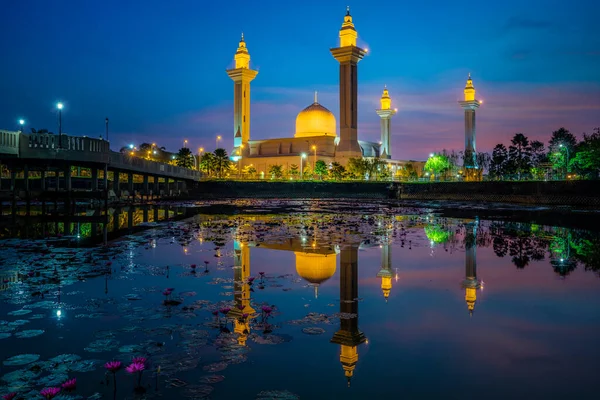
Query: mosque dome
point(315, 268)
point(315, 120)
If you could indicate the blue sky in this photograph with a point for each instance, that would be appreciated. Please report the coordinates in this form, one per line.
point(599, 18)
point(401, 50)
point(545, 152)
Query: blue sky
point(157, 68)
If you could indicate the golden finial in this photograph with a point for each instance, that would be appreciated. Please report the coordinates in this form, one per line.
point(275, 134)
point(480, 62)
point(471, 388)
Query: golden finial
point(316, 101)
point(242, 37)
point(347, 10)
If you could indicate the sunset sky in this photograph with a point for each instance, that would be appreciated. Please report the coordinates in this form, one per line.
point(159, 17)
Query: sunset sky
point(156, 69)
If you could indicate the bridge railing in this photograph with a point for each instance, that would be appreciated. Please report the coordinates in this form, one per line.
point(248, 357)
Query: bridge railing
point(137, 164)
point(9, 142)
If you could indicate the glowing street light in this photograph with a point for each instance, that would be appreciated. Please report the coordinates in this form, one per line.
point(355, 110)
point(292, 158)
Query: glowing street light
point(431, 154)
point(315, 161)
point(185, 142)
point(59, 106)
point(21, 122)
point(131, 146)
point(567, 159)
point(218, 139)
point(302, 157)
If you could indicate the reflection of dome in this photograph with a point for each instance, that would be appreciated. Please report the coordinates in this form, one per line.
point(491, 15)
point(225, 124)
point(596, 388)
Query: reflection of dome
point(315, 120)
point(315, 268)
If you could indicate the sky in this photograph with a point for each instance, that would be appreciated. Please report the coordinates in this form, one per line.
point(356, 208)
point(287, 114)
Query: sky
point(156, 69)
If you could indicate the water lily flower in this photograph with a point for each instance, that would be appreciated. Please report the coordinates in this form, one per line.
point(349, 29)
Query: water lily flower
point(139, 360)
point(70, 385)
point(135, 367)
point(193, 266)
point(166, 292)
point(251, 279)
point(245, 315)
point(49, 393)
point(10, 396)
point(262, 274)
point(215, 313)
point(225, 310)
point(267, 310)
point(113, 366)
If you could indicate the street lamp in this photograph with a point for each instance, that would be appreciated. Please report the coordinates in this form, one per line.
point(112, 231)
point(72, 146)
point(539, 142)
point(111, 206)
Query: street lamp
point(239, 152)
point(185, 142)
point(315, 161)
point(106, 122)
point(217, 143)
point(59, 106)
point(567, 159)
point(302, 157)
point(21, 122)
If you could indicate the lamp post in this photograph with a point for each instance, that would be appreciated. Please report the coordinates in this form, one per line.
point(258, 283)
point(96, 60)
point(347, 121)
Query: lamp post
point(239, 152)
point(217, 142)
point(21, 123)
point(315, 160)
point(106, 122)
point(302, 157)
point(185, 142)
point(566, 160)
point(200, 151)
point(60, 107)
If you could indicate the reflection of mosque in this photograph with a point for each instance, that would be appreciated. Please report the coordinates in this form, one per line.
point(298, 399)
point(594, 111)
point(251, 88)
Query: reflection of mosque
point(316, 264)
point(471, 284)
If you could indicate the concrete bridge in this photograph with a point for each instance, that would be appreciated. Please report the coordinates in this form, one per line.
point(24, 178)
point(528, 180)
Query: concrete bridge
point(50, 153)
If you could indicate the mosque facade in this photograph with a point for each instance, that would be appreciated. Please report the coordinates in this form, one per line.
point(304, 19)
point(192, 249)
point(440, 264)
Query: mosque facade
point(318, 136)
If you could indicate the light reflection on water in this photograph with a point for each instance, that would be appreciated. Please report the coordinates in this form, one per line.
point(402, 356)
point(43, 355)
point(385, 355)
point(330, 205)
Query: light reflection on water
point(386, 305)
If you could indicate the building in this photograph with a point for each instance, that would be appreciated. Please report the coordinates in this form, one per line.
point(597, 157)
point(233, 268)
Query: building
point(318, 136)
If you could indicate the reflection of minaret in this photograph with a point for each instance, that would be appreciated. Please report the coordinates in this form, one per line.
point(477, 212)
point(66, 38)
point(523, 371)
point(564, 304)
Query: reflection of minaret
point(241, 75)
point(470, 105)
point(385, 113)
point(385, 273)
point(241, 293)
point(471, 284)
point(348, 55)
point(348, 336)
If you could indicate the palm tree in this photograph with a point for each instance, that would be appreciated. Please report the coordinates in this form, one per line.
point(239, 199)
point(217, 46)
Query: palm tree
point(222, 162)
point(185, 158)
point(208, 163)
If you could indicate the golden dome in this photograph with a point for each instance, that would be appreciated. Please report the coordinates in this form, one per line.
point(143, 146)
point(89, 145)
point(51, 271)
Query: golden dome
point(315, 120)
point(315, 268)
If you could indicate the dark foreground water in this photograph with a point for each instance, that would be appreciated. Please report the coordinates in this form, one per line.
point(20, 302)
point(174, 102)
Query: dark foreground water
point(315, 302)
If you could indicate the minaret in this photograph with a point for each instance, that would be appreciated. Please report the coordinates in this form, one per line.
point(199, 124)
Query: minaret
point(348, 55)
point(348, 336)
point(385, 113)
point(472, 172)
point(471, 284)
point(385, 273)
point(241, 272)
point(241, 75)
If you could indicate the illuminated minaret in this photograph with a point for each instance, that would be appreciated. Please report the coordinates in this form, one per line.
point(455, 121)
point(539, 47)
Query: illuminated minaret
point(241, 75)
point(385, 113)
point(348, 55)
point(470, 105)
point(385, 273)
point(241, 272)
point(348, 336)
point(471, 284)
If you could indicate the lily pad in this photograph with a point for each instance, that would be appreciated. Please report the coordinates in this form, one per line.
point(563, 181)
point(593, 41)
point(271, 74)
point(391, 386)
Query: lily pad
point(276, 395)
point(29, 333)
point(19, 312)
point(212, 379)
point(21, 359)
point(5, 335)
point(313, 330)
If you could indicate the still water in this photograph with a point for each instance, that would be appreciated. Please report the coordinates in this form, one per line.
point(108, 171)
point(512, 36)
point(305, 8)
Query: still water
point(304, 303)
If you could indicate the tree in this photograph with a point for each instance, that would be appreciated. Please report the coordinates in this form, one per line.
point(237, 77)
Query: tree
point(437, 164)
point(587, 159)
point(250, 171)
point(222, 162)
point(185, 158)
point(337, 171)
point(276, 171)
point(294, 170)
point(499, 162)
point(145, 147)
point(519, 155)
point(321, 169)
point(208, 163)
point(356, 168)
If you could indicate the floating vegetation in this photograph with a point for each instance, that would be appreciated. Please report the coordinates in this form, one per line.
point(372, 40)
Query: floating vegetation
point(29, 333)
point(21, 359)
point(313, 330)
point(276, 395)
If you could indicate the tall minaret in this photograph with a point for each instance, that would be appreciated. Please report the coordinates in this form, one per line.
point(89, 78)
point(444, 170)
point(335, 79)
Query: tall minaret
point(241, 75)
point(472, 172)
point(348, 55)
point(471, 284)
point(241, 272)
point(385, 113)
point(385, 273)
point(348, 336)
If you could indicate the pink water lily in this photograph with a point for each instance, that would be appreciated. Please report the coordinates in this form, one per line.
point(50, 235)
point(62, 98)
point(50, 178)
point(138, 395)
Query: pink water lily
point(135, 367)
point(70, 385)
point(50, 393)
point(10, 396)
point(139, 360)
point(267, 310)
point(113, 366)
point(225, 310)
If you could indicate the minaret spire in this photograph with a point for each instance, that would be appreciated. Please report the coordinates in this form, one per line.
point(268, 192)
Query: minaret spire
point(470, 104)
point(385, 113)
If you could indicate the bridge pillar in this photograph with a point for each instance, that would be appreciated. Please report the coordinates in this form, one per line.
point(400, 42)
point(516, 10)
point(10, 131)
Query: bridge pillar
point(156, 187)
point(130, 184)
point(116, 184)
point(145, 188)
point(43, 179)
point(130, 217)
point(26, 179)
point(13, 179)
point(155, 213)
point(105, 178)
point(168, 186)
point(68, 178)
point(94, 179)
point(145, 214)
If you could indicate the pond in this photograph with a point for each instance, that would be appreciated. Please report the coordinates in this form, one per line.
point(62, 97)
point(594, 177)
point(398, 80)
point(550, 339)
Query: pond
point(301, 300)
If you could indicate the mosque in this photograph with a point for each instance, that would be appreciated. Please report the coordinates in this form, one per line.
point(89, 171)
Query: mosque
point(317, 135)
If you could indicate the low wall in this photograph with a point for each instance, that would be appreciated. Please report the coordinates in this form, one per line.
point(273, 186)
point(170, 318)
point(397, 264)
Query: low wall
point(574, 193)
point(290, 190)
